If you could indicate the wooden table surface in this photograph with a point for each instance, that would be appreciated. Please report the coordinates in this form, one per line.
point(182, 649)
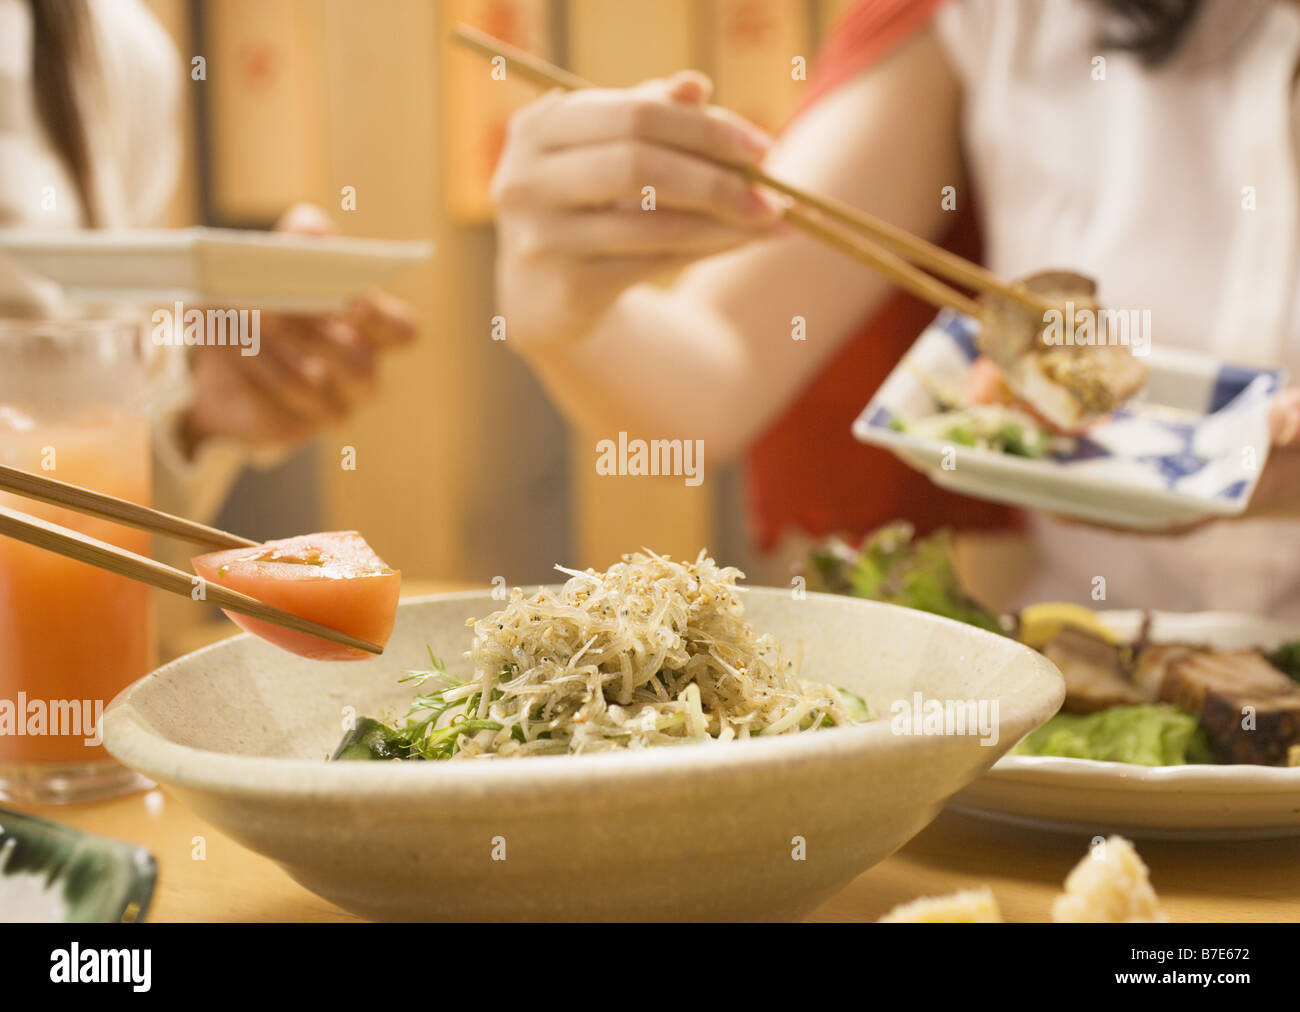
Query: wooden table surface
point(1239, 881)
point(206, 876)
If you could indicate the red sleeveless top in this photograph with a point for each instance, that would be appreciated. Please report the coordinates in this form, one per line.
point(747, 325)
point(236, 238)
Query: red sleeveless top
point(807, 472)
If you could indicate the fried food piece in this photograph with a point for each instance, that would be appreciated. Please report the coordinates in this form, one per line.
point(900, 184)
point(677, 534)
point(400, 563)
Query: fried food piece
point(1069, 385)
point(970, 906)
point(1109, 886)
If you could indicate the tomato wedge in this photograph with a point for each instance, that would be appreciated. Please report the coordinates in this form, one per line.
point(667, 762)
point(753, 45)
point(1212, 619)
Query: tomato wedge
point(333, 578)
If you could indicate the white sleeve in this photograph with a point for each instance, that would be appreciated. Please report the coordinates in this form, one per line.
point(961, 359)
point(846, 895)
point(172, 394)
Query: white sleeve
point(149, 80)
point(143, 77)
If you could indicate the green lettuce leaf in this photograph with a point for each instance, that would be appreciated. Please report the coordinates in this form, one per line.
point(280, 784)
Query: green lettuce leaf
point(1145, 734)
point(897, 568)
point(1286, 659)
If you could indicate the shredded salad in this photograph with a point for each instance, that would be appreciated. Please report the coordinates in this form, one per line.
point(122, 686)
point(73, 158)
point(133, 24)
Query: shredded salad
point(650, 652)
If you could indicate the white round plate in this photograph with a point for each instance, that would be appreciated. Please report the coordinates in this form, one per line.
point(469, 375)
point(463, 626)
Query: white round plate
point(1170, 802)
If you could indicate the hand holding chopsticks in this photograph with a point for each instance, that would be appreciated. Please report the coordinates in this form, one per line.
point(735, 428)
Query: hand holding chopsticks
point(83, 548)
point(891, 251)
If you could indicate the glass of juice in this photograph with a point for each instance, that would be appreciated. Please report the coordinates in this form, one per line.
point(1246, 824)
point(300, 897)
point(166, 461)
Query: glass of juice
point(74, 407)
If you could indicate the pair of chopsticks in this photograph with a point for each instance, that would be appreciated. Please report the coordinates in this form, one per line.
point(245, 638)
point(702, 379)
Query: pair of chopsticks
point(891, 251)
point(75, 545)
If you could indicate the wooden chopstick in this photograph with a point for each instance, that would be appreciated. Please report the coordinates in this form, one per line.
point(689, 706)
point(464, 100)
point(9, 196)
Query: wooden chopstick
point(895, 268)
point(122, 511)
point(83, 548)
point(531, 68)
point(906, 245)
point(901, 248)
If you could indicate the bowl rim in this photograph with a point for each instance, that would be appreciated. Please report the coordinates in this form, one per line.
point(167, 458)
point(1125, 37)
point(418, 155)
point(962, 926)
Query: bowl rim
point(133, 741)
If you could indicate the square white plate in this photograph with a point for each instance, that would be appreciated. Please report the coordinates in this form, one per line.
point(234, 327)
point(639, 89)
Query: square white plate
point(1190, 446)
point(209, 266)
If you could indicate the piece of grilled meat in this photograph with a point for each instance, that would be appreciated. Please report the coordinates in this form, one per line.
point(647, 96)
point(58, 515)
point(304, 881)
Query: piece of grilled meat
point(1094, 671)
point(1069, 385)
point(1249, 709)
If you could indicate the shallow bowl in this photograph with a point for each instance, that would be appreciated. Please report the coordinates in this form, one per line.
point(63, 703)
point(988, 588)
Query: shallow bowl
point(759, 829)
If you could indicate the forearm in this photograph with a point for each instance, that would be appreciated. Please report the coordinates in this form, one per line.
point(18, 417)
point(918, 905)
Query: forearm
point(628, 374)
point(705, 359)
point(721, 352)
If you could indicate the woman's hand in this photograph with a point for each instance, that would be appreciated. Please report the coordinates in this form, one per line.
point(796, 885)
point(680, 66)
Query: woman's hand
point(722, 351)
point(1277, 494)
point(1278, 491)
point(576, 223)
point(311, 371)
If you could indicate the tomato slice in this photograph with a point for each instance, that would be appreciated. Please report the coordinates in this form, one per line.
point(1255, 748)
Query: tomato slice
point(333, 578)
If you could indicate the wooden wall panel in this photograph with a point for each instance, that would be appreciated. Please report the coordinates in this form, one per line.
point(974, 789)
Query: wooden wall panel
point(618, 45)
point(265, 82)
point(183, 208)
point(753, 45)
point(405, 492)
point(475, 105)
point(460, 463)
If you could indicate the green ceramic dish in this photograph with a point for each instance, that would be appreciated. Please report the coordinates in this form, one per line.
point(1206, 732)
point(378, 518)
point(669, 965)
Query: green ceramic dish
point(53, 873)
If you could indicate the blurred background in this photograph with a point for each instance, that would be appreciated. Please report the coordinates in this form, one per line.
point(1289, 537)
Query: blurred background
point(463, 470)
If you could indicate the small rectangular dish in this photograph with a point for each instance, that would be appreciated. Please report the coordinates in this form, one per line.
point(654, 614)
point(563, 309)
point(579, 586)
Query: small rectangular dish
point(1190, 446)
point(211, 266)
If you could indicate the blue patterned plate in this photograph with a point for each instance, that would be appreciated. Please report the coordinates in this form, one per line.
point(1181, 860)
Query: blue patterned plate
point(1190, 446)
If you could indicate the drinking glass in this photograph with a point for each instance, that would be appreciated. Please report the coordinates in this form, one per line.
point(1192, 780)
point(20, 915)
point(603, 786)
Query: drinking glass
point(74, 398)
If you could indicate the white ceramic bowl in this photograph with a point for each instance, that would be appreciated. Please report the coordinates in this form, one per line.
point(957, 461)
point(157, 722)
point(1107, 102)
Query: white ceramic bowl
point(762, 829)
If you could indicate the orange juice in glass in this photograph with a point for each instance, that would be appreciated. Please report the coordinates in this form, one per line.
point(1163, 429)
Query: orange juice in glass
point(73, 406)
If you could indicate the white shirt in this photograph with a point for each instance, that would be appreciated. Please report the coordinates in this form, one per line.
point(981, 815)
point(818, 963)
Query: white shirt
point(130, 107)
point(129, 111)
point(1142, 179)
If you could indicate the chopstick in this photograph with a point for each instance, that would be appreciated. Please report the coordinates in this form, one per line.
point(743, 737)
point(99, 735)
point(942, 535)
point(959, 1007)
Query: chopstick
point(122, 511)
point(83, 548)
point(901, 249)
point(532, 69)
point(895, 268)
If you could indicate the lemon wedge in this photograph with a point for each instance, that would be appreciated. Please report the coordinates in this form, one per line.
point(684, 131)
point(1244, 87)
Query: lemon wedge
point(1039, 623)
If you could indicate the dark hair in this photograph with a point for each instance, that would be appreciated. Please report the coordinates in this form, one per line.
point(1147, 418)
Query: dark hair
point(61, 47)
point(1150, 29)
